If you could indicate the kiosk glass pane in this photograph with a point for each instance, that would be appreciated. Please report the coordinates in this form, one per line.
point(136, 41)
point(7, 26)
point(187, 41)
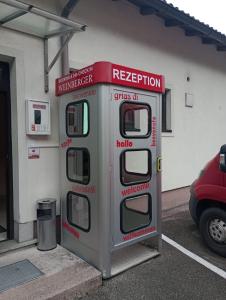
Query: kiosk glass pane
point(135, 166)
point(78, 165)
point(77, 119)
point(135, 213)
point(135, 120)
point(78, 211)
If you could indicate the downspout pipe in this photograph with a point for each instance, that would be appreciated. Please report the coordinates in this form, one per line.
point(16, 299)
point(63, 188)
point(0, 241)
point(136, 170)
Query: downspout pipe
point(67, 10)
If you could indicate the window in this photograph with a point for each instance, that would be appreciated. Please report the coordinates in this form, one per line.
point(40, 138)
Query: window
point(135, 166)
point(166, 111)
point(77, 119)
point(135, 213)
point(135, 120)
point(78, 165)
point(78, 211)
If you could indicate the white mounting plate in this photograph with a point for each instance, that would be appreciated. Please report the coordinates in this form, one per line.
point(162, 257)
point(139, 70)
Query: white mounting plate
point(38, 117)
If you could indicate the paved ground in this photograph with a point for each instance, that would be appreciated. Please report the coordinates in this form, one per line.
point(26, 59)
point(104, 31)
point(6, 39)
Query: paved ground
point(64, 275)
point(172, 275)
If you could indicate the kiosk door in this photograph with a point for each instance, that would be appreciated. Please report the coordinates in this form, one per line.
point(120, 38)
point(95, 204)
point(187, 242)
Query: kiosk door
point(135, 151)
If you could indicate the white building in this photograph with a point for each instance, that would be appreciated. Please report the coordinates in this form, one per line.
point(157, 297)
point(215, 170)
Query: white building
point(147, 35)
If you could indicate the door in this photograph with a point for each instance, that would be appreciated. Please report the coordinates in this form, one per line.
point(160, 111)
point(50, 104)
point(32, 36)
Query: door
point(6, 216)
point(134, 179)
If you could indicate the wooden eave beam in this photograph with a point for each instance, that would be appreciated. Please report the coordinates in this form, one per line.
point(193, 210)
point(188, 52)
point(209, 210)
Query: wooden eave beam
point(172, 22)
point(146, 11)
point(221, 48)
point(208, 41)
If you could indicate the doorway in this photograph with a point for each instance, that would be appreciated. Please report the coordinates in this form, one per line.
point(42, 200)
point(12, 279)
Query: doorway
point(6, 201)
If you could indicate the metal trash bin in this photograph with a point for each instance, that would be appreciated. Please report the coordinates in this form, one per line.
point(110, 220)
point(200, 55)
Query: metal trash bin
point(46, 224)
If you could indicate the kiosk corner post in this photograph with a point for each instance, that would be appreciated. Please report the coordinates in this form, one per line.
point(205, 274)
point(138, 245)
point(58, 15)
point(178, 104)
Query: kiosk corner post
point(159, 173)
point(110, 145)
point(104, 181)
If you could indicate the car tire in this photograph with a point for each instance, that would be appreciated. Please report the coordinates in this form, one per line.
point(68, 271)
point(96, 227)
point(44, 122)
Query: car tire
point(212, 227)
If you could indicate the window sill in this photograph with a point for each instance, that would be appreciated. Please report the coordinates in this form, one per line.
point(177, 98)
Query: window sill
point(168, 134)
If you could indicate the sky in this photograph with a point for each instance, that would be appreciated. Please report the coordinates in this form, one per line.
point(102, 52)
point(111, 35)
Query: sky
point(210, 12)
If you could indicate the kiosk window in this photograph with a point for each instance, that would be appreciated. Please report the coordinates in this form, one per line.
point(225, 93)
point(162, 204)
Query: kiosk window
point(135, 166)
point(135, 213)
point(78, 165)
point(77, 119)
point(78, 211)
point(135, 119)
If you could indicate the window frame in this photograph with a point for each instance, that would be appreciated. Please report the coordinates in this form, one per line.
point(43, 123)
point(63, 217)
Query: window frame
point(66, 118)
point(89, 211)
point(122, 120)
point(73, 180)
point(148, 213)
point(133, 173)
point(165, 111)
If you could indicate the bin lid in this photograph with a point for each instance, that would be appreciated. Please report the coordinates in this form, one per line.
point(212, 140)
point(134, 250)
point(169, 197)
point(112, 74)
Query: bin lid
point(46, 203)
point(107, 72)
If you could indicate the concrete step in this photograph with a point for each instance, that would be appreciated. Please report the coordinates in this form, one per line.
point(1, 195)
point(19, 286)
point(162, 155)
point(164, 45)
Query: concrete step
point(65, 275)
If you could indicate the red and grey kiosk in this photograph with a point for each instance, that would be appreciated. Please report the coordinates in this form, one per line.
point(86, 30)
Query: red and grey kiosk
point(110, 164)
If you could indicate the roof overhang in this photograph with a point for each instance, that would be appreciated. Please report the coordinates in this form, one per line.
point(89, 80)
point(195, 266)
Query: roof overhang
point(28, 19)
point(34, 21)
point(174, 17)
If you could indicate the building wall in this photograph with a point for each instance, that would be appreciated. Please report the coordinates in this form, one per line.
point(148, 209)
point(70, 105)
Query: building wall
point(117, 32)
point(32, 179)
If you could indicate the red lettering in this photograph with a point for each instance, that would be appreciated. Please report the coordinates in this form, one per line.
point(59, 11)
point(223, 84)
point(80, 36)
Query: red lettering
point(39, 106)
point(67, 143)
point(124, 96)
point(141, 232)
point(84, 189)
point(136, 188)
point(74, 232)
point(124, 144)
point(154, 132)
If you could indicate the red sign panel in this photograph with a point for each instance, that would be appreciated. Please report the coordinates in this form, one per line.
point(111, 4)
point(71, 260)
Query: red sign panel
point(106, 72)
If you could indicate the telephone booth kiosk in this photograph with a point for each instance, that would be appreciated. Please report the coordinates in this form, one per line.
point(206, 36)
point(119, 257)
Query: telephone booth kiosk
point(110, 148)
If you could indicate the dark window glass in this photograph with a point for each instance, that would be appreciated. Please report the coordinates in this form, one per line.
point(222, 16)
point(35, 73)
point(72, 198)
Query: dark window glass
point(135, 166)
point(135, 119)
point(78, 211)
point(135, 213)
point(77, 119)
point(166, 111)
point(78, 165)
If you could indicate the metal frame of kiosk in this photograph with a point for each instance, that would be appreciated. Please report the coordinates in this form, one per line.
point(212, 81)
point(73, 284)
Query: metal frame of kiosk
point(110, 155)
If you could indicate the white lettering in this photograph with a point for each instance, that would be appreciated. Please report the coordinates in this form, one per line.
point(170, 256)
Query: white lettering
point(145, 79)
point(158, 82)
point(128, 78)
point(139, 78)
point(90, 78)
point(152, 81)
point(116, 73)
point(134, 77)
point(122, 75)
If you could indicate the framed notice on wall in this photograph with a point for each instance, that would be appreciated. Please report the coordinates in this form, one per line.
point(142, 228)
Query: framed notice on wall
point(38, 117)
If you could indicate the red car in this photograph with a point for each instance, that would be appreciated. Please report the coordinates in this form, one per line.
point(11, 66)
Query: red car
point(208, 203)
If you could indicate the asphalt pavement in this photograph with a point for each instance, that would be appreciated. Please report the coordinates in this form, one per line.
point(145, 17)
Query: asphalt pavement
point(172, 275)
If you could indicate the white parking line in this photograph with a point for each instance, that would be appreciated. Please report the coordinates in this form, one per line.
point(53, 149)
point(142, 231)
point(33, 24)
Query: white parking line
point(197, 258)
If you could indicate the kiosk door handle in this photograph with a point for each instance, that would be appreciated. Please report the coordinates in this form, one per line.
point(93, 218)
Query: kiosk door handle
point(159, 164)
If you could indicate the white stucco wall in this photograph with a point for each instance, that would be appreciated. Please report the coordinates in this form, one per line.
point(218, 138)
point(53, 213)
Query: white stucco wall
point(33, 179)
point(118, 33)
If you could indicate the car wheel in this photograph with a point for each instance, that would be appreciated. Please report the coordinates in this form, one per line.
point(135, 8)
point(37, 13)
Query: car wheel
point(212, 227)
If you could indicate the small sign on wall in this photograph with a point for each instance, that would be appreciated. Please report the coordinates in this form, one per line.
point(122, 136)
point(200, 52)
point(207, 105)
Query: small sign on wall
point(38, 117)
point(189, 100)
point(33, 153)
